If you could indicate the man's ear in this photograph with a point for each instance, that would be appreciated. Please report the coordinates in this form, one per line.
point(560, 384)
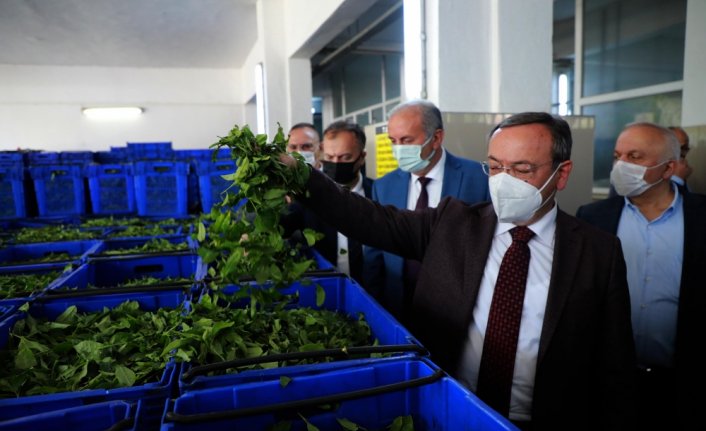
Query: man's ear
point(563, 174)
point(438, 138)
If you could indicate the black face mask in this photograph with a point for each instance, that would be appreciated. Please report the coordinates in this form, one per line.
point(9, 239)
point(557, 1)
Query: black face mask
point(343, 173)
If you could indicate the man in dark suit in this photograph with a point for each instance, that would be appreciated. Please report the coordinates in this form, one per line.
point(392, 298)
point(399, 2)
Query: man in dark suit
point(663, 234)
point(572, 364)
point(417, 133)
point(342, 158)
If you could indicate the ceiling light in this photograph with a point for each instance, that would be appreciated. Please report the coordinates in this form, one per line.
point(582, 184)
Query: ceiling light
point(112, 113)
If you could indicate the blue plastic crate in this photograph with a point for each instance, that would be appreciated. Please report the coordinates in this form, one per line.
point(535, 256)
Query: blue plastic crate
point(59, 189)
point(12, 195)
point(15, 256)
point(76, 157)
point(211, 182)
point(61, 269)
point(371, 396)
point(43, 158)
point(111, 271)
point(94, 417)
point(343, 295)
point(11, 158)
point(112, 189)
point(161, 188)
point(202, 154)
point(150, 151)
point(151, 394)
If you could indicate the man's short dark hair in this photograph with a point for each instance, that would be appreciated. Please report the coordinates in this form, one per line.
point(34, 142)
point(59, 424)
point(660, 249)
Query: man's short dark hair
point(346, 126)
point(557, 126)
point(304, 126)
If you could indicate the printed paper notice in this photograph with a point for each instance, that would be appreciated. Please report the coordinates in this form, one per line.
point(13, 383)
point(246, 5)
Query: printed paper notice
point(383, 155)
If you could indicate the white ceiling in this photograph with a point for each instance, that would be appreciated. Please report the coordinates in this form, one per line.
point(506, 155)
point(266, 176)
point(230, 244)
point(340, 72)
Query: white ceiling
point(127, 33)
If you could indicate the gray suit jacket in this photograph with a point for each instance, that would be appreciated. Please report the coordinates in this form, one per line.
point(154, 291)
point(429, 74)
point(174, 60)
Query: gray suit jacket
point(584, 377)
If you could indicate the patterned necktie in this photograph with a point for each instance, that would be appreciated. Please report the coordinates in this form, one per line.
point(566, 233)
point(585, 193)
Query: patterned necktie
point(498, 359)
point(411, 267)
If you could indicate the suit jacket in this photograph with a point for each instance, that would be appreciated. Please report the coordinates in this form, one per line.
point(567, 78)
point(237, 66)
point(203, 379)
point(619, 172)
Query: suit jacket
point(300, 217)
point(463, 179)
point(585, 367)
point(691, 320)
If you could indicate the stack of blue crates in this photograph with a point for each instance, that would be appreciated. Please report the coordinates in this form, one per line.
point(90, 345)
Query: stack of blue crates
point(59, 182)
point(12, 194)
point(370, 390)
point(112, 189)
point(204, 181)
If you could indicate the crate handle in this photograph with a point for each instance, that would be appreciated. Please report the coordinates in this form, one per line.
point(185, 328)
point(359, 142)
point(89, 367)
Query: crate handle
point(148, 269)
point(99, 257)
point(301, 404)
point(162, 168)
point(224, 167)
point(113, 171)
point(344, 352)
point(58, 172)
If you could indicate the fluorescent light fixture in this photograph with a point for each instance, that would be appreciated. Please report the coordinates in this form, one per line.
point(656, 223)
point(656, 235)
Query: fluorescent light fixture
point(112, 113)
point(260, 100)
point(413, 49)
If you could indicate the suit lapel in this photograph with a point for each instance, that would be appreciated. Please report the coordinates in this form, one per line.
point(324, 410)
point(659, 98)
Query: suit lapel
point(452, 177)
point(477, 249)
point(567, 255)
point(398, 193)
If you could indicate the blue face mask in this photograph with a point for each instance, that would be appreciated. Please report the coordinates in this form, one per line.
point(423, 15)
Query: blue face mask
point(409, 157)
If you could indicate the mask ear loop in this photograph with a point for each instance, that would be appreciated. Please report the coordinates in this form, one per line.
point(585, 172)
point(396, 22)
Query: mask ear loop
point(553, 195)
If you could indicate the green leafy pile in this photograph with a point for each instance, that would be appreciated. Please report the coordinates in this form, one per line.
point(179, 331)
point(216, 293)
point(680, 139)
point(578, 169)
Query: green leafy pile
point(152, 246)
point(126, 346)
point(110, 221)
point(153, 230)
point(244, 237)
point(112, 348)
point(49, 257)
point(54, 233)
point(14, 285)
point(133, 221)
point(213, 332)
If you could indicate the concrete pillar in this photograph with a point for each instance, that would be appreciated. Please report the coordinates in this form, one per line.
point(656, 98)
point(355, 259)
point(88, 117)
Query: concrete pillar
point(693, 112)
point(489, 55)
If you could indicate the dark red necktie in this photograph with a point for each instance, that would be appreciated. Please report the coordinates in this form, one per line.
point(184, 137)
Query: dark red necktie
point(497, 363)
point(411, 267)
point(423, 199)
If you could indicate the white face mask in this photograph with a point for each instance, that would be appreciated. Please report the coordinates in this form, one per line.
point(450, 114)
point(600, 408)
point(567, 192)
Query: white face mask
point(409, 157)
point(515, 200)
point(309, 157)
point(628, 178)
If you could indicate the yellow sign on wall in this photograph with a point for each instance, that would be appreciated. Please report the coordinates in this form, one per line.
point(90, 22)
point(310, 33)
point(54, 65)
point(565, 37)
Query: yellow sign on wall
point(385, 161)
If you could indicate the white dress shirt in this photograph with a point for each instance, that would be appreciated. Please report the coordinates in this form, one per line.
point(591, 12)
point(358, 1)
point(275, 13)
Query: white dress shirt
point(433, 187)
point(343, 262)
point(535, 301)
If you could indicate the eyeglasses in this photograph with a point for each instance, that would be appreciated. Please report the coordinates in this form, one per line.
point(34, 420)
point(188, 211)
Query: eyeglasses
point(683, 151)
point(518, 170)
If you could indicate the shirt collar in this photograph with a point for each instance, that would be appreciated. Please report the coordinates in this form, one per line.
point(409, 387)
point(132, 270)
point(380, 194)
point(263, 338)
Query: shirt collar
point(667, 212)
point(437, 172)
point(543, 228)
point(358, 188)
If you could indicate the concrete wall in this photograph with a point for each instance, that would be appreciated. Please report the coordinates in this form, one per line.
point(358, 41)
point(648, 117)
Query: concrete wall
point(40, 107)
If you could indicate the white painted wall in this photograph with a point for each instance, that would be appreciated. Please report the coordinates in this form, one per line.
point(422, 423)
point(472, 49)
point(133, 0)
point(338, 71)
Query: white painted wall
point(40, 107)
